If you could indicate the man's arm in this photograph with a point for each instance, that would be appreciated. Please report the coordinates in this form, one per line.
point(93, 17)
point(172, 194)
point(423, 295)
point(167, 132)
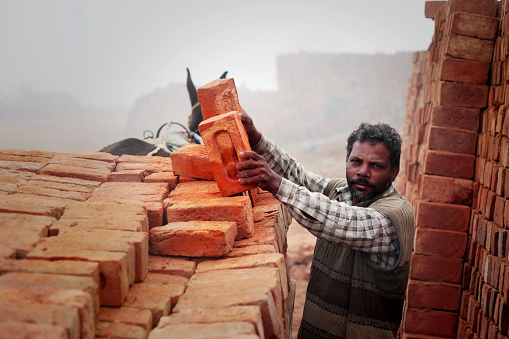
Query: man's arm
point(278, 164)
point(360, 228)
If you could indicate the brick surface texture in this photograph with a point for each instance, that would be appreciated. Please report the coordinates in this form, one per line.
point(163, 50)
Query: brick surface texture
point(100, 246)
point(454, 174)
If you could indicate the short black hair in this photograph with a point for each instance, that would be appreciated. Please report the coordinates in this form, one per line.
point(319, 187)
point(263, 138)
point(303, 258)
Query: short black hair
point(379, 132)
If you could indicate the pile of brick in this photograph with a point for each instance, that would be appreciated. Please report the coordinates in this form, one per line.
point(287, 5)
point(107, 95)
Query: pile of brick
point(454, 171)
point(99, 246)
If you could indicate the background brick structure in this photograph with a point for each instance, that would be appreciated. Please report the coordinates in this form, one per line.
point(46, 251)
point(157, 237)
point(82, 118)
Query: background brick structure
point(454, 172)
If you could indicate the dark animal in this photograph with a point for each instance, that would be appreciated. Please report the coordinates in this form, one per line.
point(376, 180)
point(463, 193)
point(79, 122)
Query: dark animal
point(134, 146)
point(196, 117)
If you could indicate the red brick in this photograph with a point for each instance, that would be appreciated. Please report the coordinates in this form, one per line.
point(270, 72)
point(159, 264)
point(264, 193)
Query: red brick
point(478, 7)
point(193, 238)
point(233, 329)
point(439, 163)
point(463, 94)
point(503, 318)
point(483, 198)
point(475, 25)
point(32, 204)
point(442, 216)
point(502, 242)
point(475, 200)
point(505, 126)
point(465, 297)
point(457, 117)
point(63, 170)
point(452, 140)
point(433, 295)
point(435, 268)
point(506, 185)
point(500, 189)
point(488, 171)
point(506, 214)
point(446, 190)
point(431, 8)
point(112, 265)
point(192, 161)
point(182, 267)
point(473, 311)
point(467, 71)
point(432, 242)
point(490, 205)
point(218, 97)
point(251, 314)
point(28, 330)
point(225, 137)
point(483, 333)
point(106, 329)
point(431, 323)
point(470, 48)
point(494, 148)
point(167, 177)
point(236, 209)
point(127, 176)
point(498, 213)
point(494, 177)
point(158, 297)
point(504, 152)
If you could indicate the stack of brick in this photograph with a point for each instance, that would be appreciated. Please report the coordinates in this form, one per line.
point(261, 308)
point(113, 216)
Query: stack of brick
point(454, 174)
point(74, 246)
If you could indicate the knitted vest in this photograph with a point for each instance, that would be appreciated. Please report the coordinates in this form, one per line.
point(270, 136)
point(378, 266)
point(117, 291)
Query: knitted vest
point(348, 295)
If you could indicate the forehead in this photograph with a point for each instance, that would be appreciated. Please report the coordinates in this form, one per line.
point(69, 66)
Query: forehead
point(373, 151)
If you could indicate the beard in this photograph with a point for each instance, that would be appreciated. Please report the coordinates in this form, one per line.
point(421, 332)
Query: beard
point(376, 190)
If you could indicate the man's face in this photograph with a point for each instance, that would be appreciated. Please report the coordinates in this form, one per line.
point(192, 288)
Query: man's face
point(368, 170)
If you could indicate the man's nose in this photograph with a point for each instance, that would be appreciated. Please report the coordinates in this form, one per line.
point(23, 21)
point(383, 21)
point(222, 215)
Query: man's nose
point(364, 171)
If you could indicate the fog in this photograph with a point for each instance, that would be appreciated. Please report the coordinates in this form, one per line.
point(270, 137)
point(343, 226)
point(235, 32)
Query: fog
point(100, 56)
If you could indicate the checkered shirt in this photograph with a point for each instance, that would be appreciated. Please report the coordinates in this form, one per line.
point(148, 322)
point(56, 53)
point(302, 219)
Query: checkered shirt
point(337, 221)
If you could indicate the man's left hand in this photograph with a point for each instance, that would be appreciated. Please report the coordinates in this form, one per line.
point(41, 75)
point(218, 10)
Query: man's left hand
point(255, 170)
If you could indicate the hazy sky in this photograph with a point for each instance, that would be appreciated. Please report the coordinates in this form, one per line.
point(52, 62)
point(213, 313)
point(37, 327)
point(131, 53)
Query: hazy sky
point(111, 51)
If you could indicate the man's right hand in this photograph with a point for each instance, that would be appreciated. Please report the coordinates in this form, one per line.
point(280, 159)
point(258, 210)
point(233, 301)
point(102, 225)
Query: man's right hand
point(253, 134)
point(255, 170)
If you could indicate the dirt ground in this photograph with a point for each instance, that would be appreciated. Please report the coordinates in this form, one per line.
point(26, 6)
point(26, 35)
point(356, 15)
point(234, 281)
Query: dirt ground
point(301, 244)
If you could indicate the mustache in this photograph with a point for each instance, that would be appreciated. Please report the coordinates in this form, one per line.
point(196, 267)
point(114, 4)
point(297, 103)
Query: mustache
point(362, 182)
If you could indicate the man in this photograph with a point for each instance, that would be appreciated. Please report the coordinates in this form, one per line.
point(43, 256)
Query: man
point(364, 231)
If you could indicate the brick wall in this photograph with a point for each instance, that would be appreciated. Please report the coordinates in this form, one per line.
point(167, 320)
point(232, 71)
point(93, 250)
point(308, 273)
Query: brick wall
point(455, 161)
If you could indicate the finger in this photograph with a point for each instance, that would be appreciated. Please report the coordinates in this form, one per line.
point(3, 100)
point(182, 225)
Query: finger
point(252, 172)
point(249, 180)
point(250, 155)
point(248, 164)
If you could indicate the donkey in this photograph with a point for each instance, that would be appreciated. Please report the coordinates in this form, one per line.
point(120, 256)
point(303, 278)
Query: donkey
point(196, 117)
point(156, 147)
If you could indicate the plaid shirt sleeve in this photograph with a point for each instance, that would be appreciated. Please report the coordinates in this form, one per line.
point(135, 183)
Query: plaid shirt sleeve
point(338, 222)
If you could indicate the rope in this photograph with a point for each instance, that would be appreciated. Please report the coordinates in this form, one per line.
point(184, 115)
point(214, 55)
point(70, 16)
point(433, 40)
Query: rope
point(160, 143)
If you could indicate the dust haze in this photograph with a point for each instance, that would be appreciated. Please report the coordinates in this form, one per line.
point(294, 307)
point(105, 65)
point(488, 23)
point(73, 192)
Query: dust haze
point(78, 75)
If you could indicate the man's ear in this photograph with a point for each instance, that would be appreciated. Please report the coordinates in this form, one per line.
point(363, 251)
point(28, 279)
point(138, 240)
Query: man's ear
point(394, 173)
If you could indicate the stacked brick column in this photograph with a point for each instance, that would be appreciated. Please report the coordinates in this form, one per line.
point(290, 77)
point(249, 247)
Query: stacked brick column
point(455, 287)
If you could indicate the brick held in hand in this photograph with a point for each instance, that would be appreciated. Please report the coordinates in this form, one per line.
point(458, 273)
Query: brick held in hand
point(193, 238)
point(225, 137)
point(218, 97)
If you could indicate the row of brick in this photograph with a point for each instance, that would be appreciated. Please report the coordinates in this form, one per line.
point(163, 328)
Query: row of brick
point(109, 232)
point(446, 101)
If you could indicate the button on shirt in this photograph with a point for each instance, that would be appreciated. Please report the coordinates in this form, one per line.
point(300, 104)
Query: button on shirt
point(337, 221)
